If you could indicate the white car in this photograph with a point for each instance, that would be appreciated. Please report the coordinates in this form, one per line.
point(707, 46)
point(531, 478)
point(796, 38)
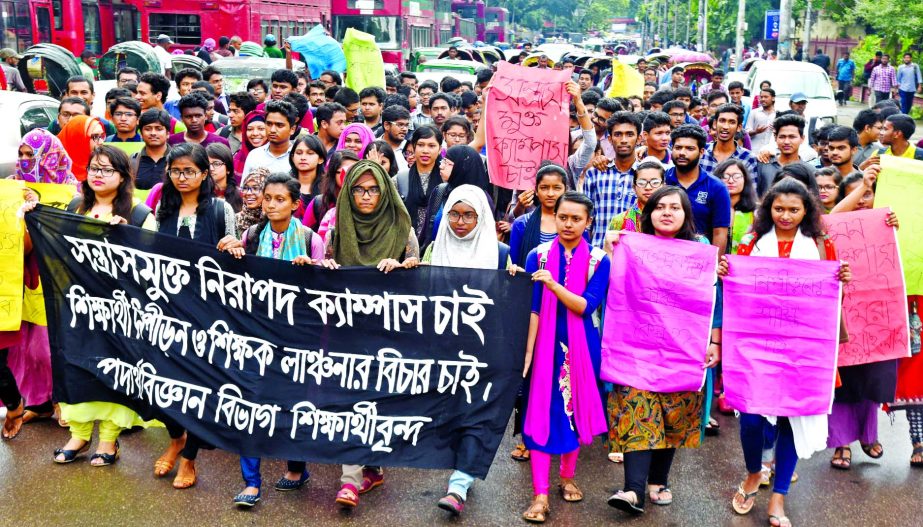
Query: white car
point(789, 77)
point(30, 111)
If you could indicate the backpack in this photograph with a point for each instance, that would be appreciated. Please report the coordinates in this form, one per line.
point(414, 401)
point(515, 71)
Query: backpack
point(596, 256)
point(139, 212)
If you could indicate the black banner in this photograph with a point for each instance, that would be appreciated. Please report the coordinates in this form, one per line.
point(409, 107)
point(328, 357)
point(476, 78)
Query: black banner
point(414, 368)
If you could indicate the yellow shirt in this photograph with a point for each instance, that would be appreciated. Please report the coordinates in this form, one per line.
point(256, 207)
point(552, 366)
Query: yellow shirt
point(910, 153)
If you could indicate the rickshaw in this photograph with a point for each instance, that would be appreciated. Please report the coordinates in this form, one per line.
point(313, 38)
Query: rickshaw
point(181, 62)
point(45, 69)
point(421, 55)
point(133, 54)
point(463, 54)
point(698, 72)
point(251, 49)
point(532, 60)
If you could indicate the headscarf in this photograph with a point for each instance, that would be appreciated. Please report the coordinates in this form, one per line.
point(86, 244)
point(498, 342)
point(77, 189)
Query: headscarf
point(365, 135)
point(366, 239)
point(209, 44)
point(477, 250)
point(468, 169)
point(50, 162)
point(75, 137)
point(247, 216)
point(240, 158)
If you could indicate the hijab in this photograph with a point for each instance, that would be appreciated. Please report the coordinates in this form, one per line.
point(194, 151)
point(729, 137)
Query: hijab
point(364, 132)
point(468, 168)
point(477, 250)
point(366, 239)
point(75, 137)
point(247, 216)
point(240, 158)
point(50, 162)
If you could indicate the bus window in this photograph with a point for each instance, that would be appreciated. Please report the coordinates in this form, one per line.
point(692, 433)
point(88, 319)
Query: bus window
point(385, 29)
point(91, 33)
point(185, 29)
point(127, 23)
point(58, 17)
point(42, 24)
point(15, 26)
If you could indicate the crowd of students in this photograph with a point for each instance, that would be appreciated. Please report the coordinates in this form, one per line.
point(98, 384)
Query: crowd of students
point(262, 172)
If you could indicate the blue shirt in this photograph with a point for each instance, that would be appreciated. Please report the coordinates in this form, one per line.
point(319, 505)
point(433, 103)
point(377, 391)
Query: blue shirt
point(845, 70)
point(612, 193)
point(711, 203)
point(908, 77)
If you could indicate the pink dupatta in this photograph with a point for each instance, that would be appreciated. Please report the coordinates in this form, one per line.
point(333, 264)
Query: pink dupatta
point(589, 418)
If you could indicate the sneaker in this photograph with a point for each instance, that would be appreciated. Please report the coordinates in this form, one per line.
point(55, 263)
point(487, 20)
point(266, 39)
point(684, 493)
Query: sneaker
point(452, 503)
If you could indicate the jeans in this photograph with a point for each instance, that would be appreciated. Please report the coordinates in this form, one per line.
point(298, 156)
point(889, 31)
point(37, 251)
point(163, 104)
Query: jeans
point(647, 467)
point(906, 101)
point(459, 483)
point(845, 88)
point(753, 431)
point(882, 96)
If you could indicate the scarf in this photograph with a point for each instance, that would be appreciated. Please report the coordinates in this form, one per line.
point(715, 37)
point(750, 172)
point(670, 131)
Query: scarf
point(468, 168)
point(50, 162)
point(810, 431)
point(477, 250)
point(292, 242)
point(366, 239)
point(75, 138)
point(365, 135)
point(589, 419)
point(248, 217)
point(240, 158)
point(417, 197)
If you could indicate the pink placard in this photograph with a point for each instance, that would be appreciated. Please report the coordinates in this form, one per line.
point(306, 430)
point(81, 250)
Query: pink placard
point(780, 335)
point(875, 301)
point(528, 121)
point(658, 313)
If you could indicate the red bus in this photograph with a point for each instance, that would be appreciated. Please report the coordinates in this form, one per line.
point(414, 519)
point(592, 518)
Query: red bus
point(496, 21)
point(399, 26)
point(98, 25)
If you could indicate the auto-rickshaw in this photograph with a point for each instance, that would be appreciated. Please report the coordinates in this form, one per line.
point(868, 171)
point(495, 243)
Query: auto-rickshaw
point(133, 54)
point(45, 68)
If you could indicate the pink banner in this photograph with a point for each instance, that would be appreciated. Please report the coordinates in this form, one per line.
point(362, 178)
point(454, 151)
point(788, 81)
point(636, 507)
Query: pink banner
point(528, 121)
point(875, 301)
point(658, 313)
point(780, 334)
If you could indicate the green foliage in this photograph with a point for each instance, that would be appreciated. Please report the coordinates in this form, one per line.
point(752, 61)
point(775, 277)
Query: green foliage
point(895, 21)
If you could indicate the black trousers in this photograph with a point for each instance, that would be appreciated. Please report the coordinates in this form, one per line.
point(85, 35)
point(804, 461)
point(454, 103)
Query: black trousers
point(9, 390)
point(647, 467)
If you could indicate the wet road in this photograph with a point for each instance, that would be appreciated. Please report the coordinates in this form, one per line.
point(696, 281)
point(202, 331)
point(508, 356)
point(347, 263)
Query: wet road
point(36, 491)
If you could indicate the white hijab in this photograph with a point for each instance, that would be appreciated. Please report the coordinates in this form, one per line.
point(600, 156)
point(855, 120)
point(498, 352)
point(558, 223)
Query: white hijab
point(477, 250)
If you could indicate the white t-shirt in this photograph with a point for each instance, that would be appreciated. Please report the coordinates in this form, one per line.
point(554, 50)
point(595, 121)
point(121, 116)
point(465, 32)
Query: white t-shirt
point(262, 158)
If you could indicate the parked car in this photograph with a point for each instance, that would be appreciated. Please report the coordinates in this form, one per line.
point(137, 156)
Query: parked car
point(435, 70)
point(31, 111)
point(789, 77)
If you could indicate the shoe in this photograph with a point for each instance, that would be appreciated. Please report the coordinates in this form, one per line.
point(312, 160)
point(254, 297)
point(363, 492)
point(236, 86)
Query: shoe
point(452, 503)
point(70, 455)
point(724, 407)
point(108, 459)
point(371, 478)
point(247, 500)
point(285, 484)
point(348, 497)
point(620, 500)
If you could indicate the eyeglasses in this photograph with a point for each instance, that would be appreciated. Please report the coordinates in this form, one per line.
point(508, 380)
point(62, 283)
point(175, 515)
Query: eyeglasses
point(732, 177)
point(468, 217)
point(249, 190)
point(826, 187)
point(216, 164)
point(183, 174)
point(101, 171)
point(120, 115)
point(653, 183)
point(371, 191)
point(457, 137)
point(68, 115)
point(98, 138)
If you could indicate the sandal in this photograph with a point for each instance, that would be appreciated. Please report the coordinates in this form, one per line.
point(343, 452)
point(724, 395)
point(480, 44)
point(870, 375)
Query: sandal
point(570, 492)
point(29, 416)
point(14, 421)
point(184, 479)
point(452, 503)
point(765, 476)
point(840, 461)
point(520, 453)
point(164, 466)
point(538, 510)
point(626, 501)
point(743, 508)
point(371, 478)
point(917, 451)
point(70, 455)
point(284, 484)
point(657, 500)
point(348, 497)
point(783, 521)
point(107, 459)
point(868, 450)
point(616, 457)
point(247, 500)
point(712, 429)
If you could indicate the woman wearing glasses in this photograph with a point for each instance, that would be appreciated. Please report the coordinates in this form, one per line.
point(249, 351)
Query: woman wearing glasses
point(189, 209)
point(372, 228)
point(740, 186)
point(648, 178)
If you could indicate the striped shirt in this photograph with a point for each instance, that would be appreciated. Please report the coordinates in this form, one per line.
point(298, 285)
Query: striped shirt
point(612, 193)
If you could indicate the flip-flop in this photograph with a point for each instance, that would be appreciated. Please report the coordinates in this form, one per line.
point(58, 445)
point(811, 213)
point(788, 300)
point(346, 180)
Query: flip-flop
point(917, 451)
point(783, 521)
point(657, 501)
point(743, 509)
point(11, 431)
point(868, 450)
point(620, 501)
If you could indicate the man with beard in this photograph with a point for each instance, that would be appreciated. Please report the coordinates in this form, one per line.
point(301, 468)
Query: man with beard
point(396, 123)
point(760, 124)
point(711, 202)
point(724, 126)
point(610, 189)
point(789, 132)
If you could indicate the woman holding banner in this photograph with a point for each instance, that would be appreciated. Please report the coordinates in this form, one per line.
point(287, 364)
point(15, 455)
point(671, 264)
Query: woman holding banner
point(372, 228)
point(648, 427)
point(188, 208)
point(787, 225)
point(467, 238)
point(564, 408)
